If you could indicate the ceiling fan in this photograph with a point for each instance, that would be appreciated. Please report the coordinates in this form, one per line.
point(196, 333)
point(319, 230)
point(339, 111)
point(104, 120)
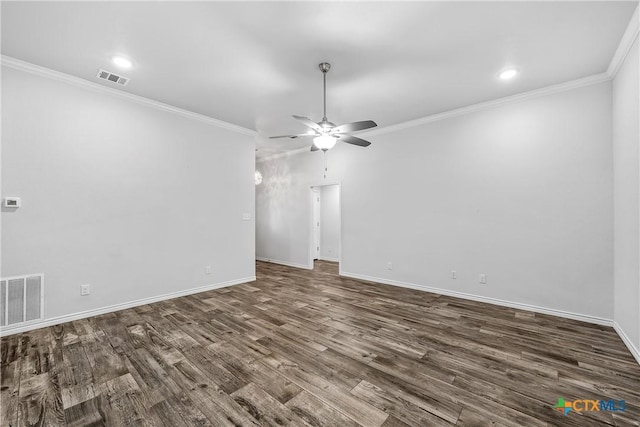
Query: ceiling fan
point(325, 133)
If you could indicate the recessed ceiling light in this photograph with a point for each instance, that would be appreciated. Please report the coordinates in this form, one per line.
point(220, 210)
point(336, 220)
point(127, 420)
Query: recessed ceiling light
point(507, 74)
point(121, 61)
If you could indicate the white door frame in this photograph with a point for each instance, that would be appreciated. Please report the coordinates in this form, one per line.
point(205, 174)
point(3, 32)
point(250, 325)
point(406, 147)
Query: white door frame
point(316, 216)
point(310, 229)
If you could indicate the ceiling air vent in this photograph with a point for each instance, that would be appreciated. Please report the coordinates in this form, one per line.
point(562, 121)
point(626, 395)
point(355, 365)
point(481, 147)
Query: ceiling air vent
point(114, 78)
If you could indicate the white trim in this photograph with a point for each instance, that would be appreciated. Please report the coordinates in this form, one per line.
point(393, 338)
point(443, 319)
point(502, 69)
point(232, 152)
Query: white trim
point(339, 259)
point(625, 339)
point(626, 42)
point(312, 251)
point(324, 258)
point(121, 306)
point(340, 229)
point(77, 81)
point(549, 90)
point(287, 263)
point(495, 301)
point(285, 154)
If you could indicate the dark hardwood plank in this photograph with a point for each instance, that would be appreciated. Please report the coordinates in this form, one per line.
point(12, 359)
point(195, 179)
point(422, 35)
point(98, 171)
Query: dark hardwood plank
point(264, 408)
point(469, 418)
point(417, 412)
point(116, 403)
point(86, 413)
point(9, 395)
point(219, 407)
point(317, 413)
point(356, 409)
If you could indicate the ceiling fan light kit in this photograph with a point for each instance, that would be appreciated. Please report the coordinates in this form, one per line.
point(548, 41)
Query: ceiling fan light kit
point(325, 133)
point(325, 142)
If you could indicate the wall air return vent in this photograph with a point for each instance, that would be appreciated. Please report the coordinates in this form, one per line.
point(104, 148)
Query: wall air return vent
point(21, 299)
point(113, 78)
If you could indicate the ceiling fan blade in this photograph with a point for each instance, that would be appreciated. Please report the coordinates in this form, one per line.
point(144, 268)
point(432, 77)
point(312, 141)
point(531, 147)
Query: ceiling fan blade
point(355, 126)
point(353, 140)
point(314, 148)
point(308, 122)
point(288, 136)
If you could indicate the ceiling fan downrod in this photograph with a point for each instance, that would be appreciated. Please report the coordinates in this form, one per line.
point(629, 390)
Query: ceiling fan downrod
point(324, 67)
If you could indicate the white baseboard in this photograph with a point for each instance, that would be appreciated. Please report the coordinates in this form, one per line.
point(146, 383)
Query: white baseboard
point(287, 263)
point(6, 331)
point(627, 341)
point(511, 304)
point(326, 258)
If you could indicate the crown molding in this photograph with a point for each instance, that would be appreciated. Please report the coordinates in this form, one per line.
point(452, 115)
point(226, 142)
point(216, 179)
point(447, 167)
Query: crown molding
point(549, 90)
point(285, 154)
point(38, 70)
point(626, 42)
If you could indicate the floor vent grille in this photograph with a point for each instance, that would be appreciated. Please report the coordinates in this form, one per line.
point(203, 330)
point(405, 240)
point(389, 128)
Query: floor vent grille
point(21, 299)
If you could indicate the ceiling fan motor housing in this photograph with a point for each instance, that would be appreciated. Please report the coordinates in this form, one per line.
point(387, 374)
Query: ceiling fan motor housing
point(326, 125)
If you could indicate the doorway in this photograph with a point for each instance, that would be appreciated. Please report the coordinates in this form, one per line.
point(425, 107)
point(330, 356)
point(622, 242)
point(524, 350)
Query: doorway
point(315, 243)
point(325, 236)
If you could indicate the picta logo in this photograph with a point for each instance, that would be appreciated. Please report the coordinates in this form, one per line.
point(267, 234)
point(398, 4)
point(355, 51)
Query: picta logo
point(589, 405)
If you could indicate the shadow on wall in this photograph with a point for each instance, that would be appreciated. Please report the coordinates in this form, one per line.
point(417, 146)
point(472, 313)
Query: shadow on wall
point(274, 212)
point(275, 179)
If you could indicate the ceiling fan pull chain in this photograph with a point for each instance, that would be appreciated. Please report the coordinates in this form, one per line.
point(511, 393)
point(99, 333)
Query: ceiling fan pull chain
point(325, 164)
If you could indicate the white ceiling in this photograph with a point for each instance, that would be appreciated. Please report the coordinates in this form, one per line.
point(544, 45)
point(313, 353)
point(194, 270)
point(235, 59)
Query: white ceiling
point(256, 64)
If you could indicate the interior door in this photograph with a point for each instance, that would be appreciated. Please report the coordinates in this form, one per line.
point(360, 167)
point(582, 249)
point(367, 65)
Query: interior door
point(316, 224)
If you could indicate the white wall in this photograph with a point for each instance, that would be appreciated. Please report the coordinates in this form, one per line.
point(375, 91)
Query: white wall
point(330, 222)
point(520, 192)
point(130, 199)
point(626, 136)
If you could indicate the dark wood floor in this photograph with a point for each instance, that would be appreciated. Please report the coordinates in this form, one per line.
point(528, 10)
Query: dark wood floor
point(310, 348)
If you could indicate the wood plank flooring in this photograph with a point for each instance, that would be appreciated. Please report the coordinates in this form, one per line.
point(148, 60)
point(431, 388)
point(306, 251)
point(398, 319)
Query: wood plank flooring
point(309, 348)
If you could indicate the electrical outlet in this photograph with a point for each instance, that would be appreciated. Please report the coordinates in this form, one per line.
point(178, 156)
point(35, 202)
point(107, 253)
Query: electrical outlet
point(453, 274)
point(389, 265)
point(207, 269)
point(85, 290)
point(483, 279)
